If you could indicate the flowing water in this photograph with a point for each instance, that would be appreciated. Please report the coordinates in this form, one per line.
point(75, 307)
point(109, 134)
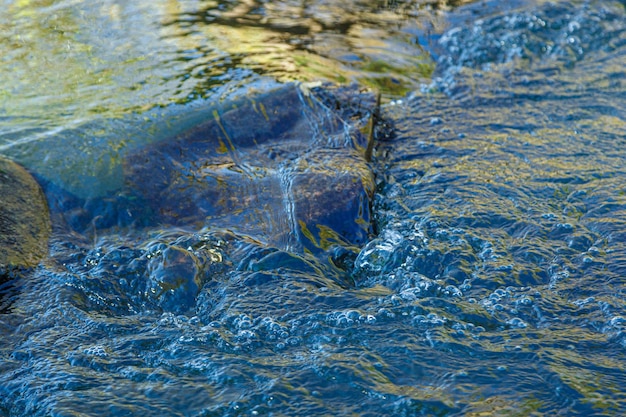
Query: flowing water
point(493, 280)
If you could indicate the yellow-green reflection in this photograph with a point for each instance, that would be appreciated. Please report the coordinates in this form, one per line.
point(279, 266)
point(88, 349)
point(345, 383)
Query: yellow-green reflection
point(367, 42)
point(66, 61)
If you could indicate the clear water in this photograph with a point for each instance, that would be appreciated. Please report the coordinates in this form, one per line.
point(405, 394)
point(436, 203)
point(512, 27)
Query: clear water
point(494, 285)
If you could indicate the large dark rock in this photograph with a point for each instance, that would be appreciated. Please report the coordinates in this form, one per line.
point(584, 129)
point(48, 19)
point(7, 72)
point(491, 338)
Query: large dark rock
point(287, 167)
point(24, 218)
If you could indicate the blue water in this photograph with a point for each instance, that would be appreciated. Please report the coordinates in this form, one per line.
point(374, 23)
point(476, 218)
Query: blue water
point(494, 284)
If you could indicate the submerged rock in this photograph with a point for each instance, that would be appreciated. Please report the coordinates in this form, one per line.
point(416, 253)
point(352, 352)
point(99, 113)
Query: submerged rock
point(24, 218)
point(287, 167)
point(273, 182)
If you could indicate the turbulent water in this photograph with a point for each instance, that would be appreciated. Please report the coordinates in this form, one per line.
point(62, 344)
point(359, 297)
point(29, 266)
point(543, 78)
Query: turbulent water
point(494, 284)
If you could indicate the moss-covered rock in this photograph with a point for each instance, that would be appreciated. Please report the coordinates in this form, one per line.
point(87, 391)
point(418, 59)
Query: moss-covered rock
point(24, 218)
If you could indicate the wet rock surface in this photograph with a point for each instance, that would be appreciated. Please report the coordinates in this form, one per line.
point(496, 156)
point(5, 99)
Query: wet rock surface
point(286, 167)
point(24, 218)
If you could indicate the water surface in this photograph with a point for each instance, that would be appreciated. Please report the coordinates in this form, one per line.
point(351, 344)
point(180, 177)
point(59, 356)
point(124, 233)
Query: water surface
point(494, 284)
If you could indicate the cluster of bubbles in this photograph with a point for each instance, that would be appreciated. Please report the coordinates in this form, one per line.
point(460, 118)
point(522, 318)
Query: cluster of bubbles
point(562, 31)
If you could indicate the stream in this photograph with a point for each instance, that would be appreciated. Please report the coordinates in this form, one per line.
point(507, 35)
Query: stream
point(474, 265)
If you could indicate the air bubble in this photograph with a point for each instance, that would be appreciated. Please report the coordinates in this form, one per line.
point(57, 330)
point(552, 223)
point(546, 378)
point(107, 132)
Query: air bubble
point(435, 121)
point(517, 322)
point(97, 350)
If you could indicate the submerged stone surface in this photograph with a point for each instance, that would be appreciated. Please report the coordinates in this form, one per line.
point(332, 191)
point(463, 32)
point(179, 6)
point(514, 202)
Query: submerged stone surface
point(275, 181)
point(24, 217)
point(286, 167)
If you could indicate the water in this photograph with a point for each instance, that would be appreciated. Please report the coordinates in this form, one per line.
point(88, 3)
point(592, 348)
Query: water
point(494, 284)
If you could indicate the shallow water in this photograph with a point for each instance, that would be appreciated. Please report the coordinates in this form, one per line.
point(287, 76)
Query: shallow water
point(494, 284)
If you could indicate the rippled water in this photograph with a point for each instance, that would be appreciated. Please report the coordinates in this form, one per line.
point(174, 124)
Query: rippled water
point(495, 282)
